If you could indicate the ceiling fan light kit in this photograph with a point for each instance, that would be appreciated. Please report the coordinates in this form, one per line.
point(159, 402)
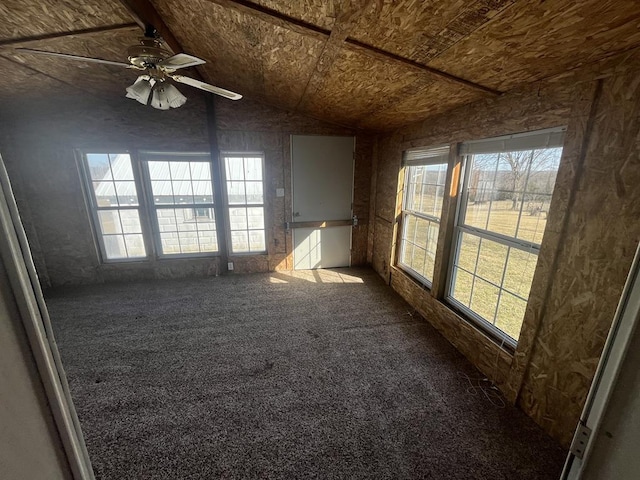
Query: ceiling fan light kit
point(160, 66)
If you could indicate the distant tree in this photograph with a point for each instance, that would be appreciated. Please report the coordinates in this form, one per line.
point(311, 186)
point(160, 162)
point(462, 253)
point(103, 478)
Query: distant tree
point(532, 164)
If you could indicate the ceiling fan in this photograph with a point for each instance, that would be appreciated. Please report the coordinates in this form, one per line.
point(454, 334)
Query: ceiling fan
point(153, 87)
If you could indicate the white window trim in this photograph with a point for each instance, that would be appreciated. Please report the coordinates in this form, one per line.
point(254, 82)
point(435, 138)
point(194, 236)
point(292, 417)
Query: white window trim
point(152, 209)
point(415, 158)
point(228, 207)
point(540, 139)
point(92, 205)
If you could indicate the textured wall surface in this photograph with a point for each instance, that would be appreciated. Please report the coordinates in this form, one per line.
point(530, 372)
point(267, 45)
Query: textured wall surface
point(588, 246)
point(38, 141)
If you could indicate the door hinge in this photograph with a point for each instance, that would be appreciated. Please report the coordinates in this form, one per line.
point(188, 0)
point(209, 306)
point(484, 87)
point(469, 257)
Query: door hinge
point(580, 440)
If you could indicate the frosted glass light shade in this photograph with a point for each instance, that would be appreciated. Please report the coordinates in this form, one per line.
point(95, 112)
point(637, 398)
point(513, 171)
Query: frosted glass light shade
point(167, 96)
point(140, 90)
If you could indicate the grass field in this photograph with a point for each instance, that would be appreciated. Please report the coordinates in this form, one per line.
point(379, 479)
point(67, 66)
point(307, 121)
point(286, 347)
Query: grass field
point(491, 279)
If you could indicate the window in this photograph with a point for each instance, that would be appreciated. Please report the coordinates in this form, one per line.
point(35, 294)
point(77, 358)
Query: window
point(245, 199)
point(425, 173)
point(182, 203)
point(115, 205)
point(506, 194)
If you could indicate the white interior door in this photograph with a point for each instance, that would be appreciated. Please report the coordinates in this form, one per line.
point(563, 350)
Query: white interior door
point(322, 176)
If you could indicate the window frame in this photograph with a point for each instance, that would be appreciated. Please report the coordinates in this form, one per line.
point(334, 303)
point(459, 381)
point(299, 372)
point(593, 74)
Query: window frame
point(227, 206)
point(152, 209)
point(406, 212)
point(92, 204)
point(459, 228)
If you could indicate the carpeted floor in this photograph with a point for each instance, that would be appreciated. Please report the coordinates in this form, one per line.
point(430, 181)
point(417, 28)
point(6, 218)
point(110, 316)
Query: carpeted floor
point(323, 374)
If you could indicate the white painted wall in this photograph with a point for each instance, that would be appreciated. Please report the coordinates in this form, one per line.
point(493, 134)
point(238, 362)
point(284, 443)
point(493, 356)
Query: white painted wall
point(30, 447)
point(616, 451)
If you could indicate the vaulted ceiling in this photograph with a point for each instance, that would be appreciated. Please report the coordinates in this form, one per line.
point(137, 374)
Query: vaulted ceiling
point(372, 64)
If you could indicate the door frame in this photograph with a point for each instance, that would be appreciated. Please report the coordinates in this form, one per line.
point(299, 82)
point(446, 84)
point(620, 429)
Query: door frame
point(626, 320)
point(23, 279)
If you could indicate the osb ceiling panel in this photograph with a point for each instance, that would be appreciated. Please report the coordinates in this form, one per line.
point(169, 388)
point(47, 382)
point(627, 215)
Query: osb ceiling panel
point(321, 13)
point(24, 18)
point(94, 78)
point(536, 39)
point(499, 44)
point(419, 30)
point(243, 53)
point(356, 85)
point(24, 82)
point(435, 98)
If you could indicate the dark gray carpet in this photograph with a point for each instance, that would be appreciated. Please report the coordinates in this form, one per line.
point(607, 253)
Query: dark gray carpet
point(270, 376)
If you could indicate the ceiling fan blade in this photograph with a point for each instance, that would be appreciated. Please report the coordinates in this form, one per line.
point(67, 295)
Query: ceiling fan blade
point(181, 60)
point(206, 87)
point(73, 57)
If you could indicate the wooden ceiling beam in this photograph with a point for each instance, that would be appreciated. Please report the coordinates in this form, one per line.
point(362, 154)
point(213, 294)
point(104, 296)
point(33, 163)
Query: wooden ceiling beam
point(70, 33)
point(344, 24)
point(145, 15)
point(308, 29)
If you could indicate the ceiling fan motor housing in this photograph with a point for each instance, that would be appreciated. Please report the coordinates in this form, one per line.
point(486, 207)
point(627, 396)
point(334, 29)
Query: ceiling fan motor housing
point(147, 54)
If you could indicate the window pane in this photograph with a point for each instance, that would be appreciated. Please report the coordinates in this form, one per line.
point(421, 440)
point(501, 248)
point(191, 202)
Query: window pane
point(234, 168)
point(179, 170)
point(105, 194)
point(468, 252)
point(126, 192)
point(121, 166)
point(254, 192)
point(238, 218)
point(130, 220)
point(135, 245)
point(236, 193)
point(166, 220)
point(256, 241)
point(484, 299)
point(159, 170)
point(240, 241)
point(186, 220)
point(170, 243)
point(203, 191)
point(109, 222)
point(510, 314)
point(99, 166)
point(503, 217)
point(182, 192)
point(462, 286)
point(534, 217)
point(208, 241)
point(491, 261)
point(162, 192)
point(114, 246)
point(189, 241)
point(253, 168)
point(255, 218)
point(519, 273)
point(201, 171)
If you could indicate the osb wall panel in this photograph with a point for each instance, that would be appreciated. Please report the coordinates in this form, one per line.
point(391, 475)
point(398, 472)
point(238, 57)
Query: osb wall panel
point(597, 250)
point(38, 142)
point(587, 249)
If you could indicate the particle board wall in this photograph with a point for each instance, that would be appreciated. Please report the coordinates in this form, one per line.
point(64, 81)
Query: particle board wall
point(592, 232)
point(38, 142)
